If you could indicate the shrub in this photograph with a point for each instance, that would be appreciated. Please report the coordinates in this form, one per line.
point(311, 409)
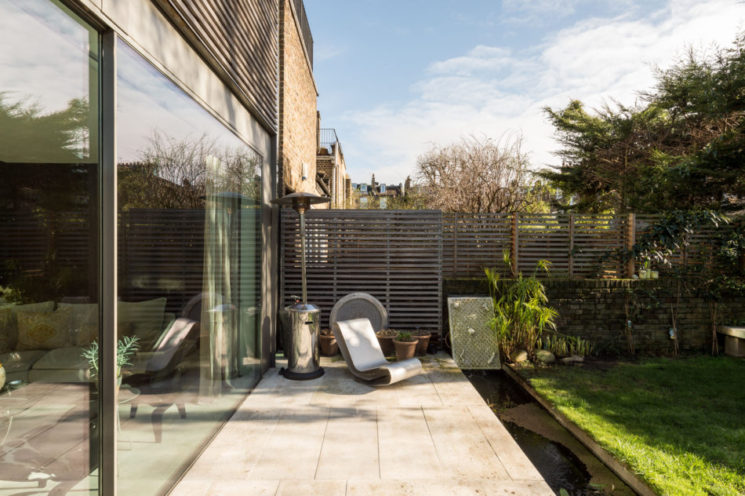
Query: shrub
point(521, 311)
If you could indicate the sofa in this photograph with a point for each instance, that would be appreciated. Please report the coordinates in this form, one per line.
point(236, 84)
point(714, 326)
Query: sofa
point(44, 341)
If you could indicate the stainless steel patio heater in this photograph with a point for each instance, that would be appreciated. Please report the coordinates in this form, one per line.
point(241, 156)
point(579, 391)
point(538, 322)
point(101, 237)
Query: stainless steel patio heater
point(304, 320)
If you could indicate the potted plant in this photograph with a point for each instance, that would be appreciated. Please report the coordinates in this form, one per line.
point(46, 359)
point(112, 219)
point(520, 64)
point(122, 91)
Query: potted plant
point(125, 350)
point(645, 272)
point(405, 345)
point(385, 338)
point(423, 338)
point(329, 346)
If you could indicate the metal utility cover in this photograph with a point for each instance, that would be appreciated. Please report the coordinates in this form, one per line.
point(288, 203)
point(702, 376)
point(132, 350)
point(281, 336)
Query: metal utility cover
point(475, 344)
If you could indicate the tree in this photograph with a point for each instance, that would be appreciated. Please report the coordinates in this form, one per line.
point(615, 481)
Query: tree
point(172, 173)
point(683, 147)
point(475, 175)
point(28, 135)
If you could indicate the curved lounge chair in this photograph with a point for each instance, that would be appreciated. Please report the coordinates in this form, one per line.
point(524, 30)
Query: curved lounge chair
point(361, 351)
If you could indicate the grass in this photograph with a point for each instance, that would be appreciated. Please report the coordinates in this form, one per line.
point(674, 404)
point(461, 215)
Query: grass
point(678, 423)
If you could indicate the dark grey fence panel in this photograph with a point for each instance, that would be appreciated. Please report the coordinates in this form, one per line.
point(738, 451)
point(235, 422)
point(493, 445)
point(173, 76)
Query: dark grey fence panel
point(394, 255)
point(576, 245)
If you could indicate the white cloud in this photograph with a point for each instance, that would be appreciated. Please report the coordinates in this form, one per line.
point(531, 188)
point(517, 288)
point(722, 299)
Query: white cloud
point(538, 11)
point(492, 90)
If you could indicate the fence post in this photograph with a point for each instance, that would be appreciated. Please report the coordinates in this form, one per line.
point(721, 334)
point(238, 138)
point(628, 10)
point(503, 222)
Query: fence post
point(455, 245)
point(515, 245)
point(571, 246)
point(629, 242)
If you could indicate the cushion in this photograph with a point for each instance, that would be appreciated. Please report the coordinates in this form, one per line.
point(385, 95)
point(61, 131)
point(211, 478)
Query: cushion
point(43, 330)
point(143, 319)
point(83, 322)
point(60, 365)
point(7, 328)
point(20, 361)
point(9, 323)
point(66, 358)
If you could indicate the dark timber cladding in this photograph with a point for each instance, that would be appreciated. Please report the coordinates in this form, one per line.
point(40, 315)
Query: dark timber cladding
point(238, 38)
point(393, 255)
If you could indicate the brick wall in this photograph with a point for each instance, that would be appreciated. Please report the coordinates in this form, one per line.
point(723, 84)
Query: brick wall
point(298, 140)
point(596, 309)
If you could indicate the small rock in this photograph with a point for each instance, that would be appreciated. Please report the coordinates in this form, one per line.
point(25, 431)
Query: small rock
point(572, 359)
point(520, 357)
point(545, 356)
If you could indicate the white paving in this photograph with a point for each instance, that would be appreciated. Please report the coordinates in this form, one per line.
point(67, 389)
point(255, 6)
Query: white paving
point(431, 435)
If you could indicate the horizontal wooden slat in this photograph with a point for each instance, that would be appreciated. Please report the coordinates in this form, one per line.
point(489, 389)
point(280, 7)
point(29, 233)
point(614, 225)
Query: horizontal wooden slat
point(394, 255)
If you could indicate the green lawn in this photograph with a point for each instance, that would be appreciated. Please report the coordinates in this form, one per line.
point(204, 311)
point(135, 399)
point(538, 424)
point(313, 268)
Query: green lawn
point(680, 424)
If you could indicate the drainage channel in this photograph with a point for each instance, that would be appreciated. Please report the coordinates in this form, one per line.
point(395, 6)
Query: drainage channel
point(561, 459)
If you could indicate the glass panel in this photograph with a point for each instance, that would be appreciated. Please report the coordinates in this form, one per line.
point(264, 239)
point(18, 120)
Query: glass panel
point(189, 259)
point(49, 249)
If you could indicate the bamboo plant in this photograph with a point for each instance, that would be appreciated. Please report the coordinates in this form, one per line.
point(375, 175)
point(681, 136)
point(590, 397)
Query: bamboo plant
point(521, 311)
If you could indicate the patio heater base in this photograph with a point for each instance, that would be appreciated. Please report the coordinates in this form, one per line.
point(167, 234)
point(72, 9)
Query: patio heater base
point(301, 376)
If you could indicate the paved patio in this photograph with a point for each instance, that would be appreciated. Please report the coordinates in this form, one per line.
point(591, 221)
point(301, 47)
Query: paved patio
point(430, 435)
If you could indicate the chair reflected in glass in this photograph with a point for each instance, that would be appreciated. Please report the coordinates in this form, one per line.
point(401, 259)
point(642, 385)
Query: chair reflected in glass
point(158, 373)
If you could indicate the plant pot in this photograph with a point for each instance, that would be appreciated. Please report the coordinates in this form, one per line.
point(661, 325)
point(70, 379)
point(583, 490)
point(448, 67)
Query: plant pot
point(405, 349)
point(386, 344)
point(329, 346)
point(422, 343)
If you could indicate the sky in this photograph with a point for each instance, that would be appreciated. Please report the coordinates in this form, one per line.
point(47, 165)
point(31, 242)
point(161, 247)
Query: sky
point(397, 77)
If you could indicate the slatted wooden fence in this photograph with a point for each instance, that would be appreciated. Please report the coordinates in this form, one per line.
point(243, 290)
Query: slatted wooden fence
point(161, 253)
point(574, 244)
point(401, 256)
point(394, 255)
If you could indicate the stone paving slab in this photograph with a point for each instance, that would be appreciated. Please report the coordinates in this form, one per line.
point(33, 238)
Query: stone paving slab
point(430, 435)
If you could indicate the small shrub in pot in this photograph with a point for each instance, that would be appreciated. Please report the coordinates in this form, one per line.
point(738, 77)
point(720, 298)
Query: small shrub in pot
point(405, 345)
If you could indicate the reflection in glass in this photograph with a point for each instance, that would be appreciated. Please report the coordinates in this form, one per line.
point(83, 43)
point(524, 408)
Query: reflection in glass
point(189, 279)
point(49, 275)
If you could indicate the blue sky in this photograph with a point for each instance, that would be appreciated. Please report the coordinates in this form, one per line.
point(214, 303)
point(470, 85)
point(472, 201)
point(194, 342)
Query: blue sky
point(396, 77)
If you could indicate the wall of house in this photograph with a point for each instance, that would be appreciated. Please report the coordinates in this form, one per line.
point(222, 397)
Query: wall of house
point(239, 38)
point(596, 309)
point(143, 25)
point(340, 191)
point(298, 140)
point(325, 167)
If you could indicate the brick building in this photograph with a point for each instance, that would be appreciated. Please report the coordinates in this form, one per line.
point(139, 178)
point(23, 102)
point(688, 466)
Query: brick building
point(298, 120)
point(331, 170)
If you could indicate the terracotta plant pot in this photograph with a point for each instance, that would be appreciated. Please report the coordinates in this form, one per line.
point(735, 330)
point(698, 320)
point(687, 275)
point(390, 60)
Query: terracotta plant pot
point(422, 343)
point(329, 346)
point(386, 342)
point(405, 349)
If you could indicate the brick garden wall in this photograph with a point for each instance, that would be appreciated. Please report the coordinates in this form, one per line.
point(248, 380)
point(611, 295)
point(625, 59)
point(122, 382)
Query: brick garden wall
point(596, 309)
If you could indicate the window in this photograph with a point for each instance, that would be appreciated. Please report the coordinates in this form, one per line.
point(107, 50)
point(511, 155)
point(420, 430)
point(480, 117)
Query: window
point(49, 248)
point(189, 273)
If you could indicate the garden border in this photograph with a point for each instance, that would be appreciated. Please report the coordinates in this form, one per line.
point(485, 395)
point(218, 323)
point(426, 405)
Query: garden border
point(621, 470)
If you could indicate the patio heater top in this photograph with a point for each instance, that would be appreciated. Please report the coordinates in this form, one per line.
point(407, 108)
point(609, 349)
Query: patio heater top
point(301, 201)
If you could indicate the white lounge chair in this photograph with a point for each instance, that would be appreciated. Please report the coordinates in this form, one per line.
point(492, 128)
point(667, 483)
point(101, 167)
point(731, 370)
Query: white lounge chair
point(360, 348)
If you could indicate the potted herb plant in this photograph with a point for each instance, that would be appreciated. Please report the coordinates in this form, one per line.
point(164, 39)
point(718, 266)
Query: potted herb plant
point(329, 346)
point(385, 338)
point(125, 350)
point(405, 345)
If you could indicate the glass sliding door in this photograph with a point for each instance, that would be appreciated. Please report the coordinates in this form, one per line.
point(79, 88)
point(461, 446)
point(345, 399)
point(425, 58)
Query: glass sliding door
point(189, 281)
point(49, 249)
